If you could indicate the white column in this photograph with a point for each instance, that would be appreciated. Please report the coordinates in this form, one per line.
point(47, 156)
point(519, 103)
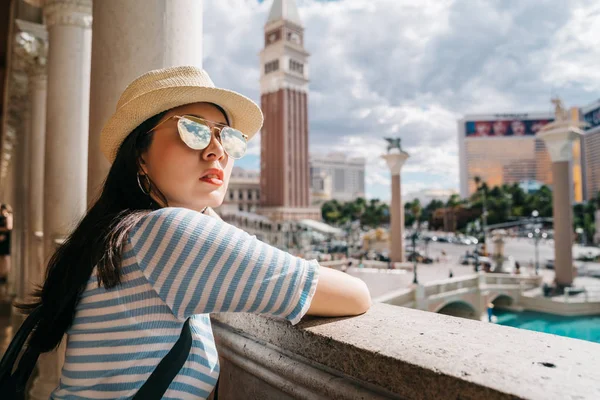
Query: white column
point(559, 137)
point(18, 250)
point(28, 53)
point(65, 180)
point(130, 38)
point(37, 140)
point(395, 161)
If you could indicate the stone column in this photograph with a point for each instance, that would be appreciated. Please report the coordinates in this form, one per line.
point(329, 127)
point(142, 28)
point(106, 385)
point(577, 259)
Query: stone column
point(562, 210)
point(36, 148)
point(559, 137)
point(65, 181)
point(28, 53)
point(130, 38)
point(395, 161)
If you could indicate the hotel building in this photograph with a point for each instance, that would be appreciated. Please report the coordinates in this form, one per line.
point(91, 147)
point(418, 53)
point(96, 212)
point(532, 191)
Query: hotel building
point(591, 149)
point(503, 149)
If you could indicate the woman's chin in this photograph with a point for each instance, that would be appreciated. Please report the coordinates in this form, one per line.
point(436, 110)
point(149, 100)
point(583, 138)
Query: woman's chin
point(209, 201)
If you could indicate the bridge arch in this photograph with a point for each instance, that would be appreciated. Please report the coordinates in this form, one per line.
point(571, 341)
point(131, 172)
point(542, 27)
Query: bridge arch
point(458, 308)
point(501, 300)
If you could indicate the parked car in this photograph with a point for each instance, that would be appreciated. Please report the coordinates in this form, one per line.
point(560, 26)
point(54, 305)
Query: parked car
point(589, 257)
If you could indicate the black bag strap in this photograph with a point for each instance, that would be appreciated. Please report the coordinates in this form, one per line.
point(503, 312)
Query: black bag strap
point(18, 341)
point(168, 368)
point(14, 383)
point(154, 388)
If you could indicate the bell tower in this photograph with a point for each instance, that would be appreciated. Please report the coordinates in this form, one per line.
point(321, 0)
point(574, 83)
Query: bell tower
point(284, 171)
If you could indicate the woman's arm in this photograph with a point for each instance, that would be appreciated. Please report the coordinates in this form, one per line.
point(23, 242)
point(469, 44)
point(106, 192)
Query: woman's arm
point(339, 294)
point(198, 264)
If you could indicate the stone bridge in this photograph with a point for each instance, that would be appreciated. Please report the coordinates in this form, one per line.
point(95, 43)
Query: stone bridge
point(465, 296)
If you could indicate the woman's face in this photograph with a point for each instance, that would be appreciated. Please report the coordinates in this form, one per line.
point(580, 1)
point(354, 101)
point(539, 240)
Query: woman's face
point(188, 178)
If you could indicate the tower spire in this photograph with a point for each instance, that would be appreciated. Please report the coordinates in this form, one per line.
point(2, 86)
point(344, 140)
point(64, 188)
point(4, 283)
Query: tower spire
point(284, 10)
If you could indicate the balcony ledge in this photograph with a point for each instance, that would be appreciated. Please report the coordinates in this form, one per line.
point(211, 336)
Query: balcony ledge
point(396, 352)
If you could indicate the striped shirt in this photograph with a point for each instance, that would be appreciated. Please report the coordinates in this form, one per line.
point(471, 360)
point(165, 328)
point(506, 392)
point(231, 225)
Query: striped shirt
point(176, 264)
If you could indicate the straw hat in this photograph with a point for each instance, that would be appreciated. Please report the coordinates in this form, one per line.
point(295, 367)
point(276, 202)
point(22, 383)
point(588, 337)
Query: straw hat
point(162, 89)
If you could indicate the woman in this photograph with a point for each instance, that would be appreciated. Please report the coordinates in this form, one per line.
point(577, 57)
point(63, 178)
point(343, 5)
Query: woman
point(150, 253)
point(6, 223)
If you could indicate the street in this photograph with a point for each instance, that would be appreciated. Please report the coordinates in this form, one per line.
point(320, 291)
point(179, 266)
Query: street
point(522, 249)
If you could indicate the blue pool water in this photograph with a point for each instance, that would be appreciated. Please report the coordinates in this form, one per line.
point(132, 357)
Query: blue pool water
point(586, 328)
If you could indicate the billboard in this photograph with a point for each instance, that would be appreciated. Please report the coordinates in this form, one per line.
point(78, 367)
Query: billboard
point(504, 127)
point(592, 117)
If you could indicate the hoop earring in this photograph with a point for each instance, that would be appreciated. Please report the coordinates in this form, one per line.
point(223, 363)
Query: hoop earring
point(146, 192)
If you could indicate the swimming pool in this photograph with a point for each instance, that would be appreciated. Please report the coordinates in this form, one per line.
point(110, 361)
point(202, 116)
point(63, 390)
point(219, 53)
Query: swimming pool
point(585, 328)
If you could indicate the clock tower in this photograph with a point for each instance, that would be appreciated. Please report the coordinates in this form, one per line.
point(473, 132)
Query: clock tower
point(284, 171)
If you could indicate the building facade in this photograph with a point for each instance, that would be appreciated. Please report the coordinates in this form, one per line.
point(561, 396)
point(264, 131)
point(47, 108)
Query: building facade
point(343, 176)
point(243, 192)
point(284, 178)
point(503, 149)
point(591, 149)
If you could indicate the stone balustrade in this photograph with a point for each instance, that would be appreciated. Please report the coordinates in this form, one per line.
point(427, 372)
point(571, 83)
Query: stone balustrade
point(399, 353)
point(338, 264)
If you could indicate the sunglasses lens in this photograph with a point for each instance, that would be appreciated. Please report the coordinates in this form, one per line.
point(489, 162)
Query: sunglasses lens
point(233, 142)
point(194, 134)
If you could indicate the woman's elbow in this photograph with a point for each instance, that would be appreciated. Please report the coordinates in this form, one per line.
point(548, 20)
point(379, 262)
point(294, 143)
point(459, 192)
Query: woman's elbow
point(362, 298)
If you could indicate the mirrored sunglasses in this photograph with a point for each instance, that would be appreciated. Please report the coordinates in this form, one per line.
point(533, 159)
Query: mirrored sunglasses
point(196, 133)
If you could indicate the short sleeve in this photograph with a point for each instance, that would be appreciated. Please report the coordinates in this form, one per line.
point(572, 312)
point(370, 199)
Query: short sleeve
point(198, 264)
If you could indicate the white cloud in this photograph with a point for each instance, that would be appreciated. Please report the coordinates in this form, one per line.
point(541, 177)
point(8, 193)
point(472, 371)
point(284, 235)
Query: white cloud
point(398, 67)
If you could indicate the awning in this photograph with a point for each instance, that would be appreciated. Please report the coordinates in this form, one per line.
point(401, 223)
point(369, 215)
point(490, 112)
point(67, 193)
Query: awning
point(321, 227)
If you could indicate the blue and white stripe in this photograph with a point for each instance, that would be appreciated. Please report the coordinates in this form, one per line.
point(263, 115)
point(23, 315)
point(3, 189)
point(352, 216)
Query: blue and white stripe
point(177, 264)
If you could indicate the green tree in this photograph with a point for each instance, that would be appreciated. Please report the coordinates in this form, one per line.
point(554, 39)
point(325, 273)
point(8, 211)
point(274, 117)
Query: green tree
point(415, 210)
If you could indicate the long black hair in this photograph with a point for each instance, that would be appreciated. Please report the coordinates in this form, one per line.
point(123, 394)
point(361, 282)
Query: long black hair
point(96, 242)
point(98, 239)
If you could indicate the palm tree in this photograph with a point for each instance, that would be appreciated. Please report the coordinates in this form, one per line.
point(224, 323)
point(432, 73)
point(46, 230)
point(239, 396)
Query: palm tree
point(483, 188)
point(477, 180)
point(415, 210)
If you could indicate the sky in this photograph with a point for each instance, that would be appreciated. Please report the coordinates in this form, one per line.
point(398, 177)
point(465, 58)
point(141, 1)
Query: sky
point(413, 68)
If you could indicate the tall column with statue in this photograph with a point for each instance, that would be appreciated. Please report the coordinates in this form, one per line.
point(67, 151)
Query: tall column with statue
point(559, 137)
point(395, 159)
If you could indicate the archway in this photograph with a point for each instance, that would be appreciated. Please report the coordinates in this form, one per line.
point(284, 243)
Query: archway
point(459, 309)
point(502, 300)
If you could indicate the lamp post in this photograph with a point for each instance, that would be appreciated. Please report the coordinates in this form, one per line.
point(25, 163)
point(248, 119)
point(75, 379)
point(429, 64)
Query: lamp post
point(508, 198)
point(484, 214)
point(536, 235)
point(414, 245)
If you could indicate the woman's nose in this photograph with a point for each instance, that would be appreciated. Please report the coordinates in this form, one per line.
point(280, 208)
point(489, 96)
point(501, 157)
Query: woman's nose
point(214, 150)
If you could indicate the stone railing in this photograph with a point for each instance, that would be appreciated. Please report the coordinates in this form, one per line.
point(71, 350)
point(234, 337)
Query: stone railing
point(399, 353)
point(451, 284)
point(338, 264)
point(504, 279)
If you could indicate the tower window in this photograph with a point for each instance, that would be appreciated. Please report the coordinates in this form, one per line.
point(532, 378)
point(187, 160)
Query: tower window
point(296, 66)
point(271, 66)
point(293, 37)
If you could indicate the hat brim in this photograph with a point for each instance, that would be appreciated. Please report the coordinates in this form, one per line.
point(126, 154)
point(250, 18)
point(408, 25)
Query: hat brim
point(243, 113)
